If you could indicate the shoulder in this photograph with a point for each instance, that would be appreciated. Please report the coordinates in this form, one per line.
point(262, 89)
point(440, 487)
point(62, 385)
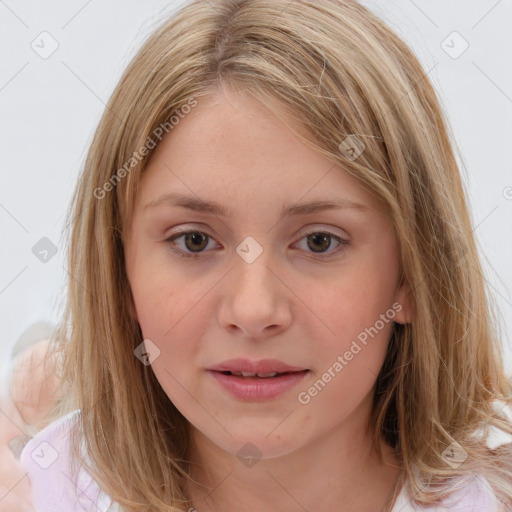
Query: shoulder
point(58, 482)
point(469, 495)
point(474, 495)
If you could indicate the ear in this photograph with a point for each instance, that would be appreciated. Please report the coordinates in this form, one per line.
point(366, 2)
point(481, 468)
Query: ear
point(405, 306)
point(132, 309)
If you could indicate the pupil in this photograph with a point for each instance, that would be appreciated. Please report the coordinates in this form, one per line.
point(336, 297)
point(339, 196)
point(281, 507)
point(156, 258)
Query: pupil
point(319, 238)
point(196, 237)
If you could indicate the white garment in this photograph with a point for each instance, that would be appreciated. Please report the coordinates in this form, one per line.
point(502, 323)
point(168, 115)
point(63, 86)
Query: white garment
point(475, 496)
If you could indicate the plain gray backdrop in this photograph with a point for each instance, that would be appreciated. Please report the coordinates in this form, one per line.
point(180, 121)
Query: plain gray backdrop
point(61, 60)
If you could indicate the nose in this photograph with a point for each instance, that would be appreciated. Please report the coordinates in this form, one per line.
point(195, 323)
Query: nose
point(256, 301)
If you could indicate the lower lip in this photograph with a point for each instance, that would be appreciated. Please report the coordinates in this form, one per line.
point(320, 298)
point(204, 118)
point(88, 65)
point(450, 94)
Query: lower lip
point(254, 388)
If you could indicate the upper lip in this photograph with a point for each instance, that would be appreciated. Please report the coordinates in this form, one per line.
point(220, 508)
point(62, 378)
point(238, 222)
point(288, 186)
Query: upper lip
point(261, 366)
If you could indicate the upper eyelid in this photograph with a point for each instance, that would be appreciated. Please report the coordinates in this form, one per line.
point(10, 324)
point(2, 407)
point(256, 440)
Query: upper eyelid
point(302, 232)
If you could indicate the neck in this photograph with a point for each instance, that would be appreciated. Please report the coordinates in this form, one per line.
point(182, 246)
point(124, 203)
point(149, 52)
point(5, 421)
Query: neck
point(339, 469)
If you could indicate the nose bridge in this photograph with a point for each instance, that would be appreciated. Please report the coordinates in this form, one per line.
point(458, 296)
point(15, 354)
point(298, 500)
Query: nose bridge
point(256, 298)
point(253, 266)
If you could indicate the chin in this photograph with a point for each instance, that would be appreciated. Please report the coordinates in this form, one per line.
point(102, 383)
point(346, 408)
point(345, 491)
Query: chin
point(259, 445)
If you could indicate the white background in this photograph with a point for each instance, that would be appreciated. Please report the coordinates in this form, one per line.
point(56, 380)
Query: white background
point(50, 107)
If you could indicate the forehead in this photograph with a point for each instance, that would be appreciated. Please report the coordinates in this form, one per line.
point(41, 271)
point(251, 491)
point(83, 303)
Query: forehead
point(233, 149)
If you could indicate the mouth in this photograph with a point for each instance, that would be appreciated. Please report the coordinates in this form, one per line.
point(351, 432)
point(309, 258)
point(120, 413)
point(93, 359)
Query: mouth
point(260, 386)
point(266, 375)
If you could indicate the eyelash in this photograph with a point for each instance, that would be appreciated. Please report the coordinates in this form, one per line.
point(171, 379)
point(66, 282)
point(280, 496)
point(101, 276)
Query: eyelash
point(182, 254)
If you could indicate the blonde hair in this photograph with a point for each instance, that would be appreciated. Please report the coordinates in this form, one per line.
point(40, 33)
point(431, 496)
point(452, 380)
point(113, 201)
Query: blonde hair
point(338, 71)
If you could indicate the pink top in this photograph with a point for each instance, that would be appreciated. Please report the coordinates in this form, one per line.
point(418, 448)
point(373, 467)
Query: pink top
point(57, 484)
point(58, 487)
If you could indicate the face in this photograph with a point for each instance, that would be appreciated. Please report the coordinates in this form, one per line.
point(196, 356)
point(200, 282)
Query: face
point(315, 288)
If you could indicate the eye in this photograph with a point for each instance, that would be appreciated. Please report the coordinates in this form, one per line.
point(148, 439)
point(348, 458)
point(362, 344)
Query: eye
point(195, 242)
point(320, 241)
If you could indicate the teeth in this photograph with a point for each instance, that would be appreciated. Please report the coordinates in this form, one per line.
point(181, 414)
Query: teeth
point(249, 374)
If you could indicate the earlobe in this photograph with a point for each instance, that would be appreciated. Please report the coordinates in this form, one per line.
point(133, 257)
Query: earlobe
point(404, 305)
point(133, 311)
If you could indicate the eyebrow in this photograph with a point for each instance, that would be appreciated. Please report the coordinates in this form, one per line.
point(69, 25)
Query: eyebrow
point(214, 208)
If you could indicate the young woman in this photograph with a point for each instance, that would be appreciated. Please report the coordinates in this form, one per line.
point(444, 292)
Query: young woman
point(276, 301)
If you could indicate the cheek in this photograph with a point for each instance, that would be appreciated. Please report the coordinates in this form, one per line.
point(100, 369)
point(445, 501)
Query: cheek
point(357, 313)
point(350, 361)
point(171, 314)
point(354, 303)
point(161, 296)
point(151, 301)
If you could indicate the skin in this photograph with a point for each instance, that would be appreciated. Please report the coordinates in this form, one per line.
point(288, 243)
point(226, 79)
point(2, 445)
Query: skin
point(293, 304)
point(34, 390)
